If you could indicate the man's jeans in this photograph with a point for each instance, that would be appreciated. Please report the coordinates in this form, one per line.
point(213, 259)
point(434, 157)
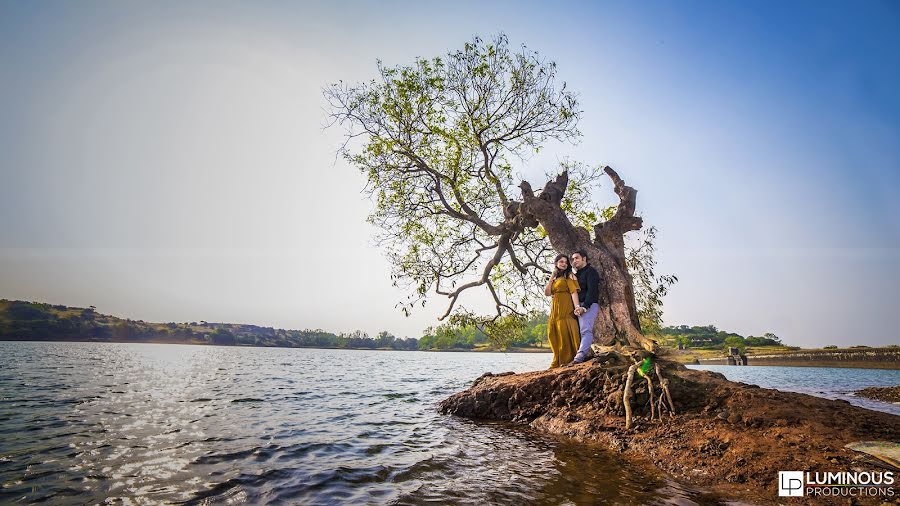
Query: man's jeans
point(586, 324)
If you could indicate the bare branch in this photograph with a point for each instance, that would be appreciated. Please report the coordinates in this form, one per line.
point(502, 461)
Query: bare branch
point(503, 244)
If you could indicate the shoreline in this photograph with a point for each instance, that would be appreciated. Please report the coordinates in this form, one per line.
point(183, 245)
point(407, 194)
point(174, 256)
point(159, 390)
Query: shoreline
point(883, 394)
point(202, 343)
point(886, 366)
point(787, 361)
point(887, 357)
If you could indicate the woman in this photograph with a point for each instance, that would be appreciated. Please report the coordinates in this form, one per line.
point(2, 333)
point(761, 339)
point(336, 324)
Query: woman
point(562, 327)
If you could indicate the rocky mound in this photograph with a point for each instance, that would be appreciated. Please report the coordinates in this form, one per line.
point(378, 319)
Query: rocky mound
point(886, 394)
point(731, 438)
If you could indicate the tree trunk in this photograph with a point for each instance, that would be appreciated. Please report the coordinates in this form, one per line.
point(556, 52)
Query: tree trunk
point(617, 323)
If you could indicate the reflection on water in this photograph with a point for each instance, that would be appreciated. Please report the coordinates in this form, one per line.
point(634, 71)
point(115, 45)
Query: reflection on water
point(143, 423)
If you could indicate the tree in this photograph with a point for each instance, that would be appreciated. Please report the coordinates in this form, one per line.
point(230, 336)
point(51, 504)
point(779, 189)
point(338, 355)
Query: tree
point(222, 336)
point(437, 141)
point(385, 339)
point(123, 330)
point(650, 288)
point(735, 342)
point(539, 334)
point(772, 337)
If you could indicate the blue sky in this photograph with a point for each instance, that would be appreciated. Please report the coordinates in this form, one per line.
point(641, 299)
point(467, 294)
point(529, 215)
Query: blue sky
point(167, 161)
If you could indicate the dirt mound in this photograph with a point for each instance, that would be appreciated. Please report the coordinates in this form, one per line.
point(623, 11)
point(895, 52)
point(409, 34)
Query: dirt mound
point(886, 394)
point(728, 437)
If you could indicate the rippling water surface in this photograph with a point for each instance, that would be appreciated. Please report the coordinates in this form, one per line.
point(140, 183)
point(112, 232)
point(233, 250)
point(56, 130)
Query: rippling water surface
point(150, 423)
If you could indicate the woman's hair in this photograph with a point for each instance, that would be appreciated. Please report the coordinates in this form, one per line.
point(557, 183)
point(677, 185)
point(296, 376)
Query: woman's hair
point(566, 273)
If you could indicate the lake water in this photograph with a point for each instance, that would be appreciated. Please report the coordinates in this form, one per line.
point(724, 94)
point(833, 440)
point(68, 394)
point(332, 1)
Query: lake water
point(147, 423)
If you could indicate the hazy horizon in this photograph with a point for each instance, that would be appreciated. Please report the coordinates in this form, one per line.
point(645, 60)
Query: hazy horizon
point(169, 162)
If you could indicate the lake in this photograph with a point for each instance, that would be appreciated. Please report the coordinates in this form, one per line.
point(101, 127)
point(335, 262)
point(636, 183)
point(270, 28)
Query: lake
point(155, 423)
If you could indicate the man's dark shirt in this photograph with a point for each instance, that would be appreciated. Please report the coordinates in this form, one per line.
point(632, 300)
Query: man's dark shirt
point(589, 284)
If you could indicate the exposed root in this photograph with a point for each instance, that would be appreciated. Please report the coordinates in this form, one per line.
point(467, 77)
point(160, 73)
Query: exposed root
point(660, 406)
point(664, 385)
point(652, 404)
point(607, 384)
point(657, 404)
point(627, 394)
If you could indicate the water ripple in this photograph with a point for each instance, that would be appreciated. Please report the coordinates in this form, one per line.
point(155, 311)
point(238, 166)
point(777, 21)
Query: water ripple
point(139, 423)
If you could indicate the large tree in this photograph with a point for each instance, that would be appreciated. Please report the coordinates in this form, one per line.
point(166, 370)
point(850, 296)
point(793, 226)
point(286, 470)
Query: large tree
point(439, 141)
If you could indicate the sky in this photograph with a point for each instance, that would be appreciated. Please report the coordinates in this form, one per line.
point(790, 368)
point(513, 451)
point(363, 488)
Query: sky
point(169, 161)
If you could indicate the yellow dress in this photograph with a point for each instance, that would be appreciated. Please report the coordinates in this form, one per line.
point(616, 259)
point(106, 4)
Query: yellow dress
point(562, 326)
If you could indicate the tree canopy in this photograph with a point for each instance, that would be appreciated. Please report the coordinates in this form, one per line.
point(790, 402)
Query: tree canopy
point(440, 142)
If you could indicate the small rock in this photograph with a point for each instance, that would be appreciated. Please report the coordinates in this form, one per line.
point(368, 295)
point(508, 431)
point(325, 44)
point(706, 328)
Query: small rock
point(737, 478)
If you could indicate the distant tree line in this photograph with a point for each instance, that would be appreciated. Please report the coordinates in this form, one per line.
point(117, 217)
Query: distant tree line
point(467, 337)
point(709, 337)
point(35, 321)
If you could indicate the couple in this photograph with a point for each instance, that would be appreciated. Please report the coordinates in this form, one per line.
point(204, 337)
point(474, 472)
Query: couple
point(573, 295)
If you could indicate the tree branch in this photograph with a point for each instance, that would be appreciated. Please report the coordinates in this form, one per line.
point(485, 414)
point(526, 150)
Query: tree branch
point(503, 245)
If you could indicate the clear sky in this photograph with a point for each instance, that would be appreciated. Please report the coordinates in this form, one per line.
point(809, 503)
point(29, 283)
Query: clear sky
point(167, 161)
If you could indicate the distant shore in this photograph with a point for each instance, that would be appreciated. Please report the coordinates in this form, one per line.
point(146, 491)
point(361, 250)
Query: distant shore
point(40, 321)
point(857, 358)
point(861, 358)
point(491, 349)
point(483, 349)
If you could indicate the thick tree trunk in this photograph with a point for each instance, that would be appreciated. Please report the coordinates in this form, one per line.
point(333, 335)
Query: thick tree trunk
point(617, 323)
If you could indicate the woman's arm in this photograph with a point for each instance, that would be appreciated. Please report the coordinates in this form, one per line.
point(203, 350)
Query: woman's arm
point(548, 290)
point(574, 299)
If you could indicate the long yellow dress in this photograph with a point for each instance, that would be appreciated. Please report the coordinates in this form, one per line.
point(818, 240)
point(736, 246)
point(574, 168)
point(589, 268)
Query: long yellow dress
point(562, 326)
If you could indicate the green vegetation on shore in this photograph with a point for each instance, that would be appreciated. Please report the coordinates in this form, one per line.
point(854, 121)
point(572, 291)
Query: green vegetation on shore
point(700, 342)
point(692, 345)
point(708, 337)
point(35, 321)
point(533, 336)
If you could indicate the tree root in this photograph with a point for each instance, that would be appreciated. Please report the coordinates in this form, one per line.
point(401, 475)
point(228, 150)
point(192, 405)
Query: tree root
point(652, 404)
point(628, 394)
point(664, 385)
point(657, 404)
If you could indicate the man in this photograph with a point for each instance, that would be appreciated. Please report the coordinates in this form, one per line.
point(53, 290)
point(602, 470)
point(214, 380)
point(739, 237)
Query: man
point(588, 302)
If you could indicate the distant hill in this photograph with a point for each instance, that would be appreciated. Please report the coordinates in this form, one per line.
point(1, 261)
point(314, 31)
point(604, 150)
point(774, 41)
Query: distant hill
point(35, 321)
point(709, 337)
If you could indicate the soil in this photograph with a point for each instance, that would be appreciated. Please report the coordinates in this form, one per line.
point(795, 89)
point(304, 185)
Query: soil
point(886, 394)
point(729, 438)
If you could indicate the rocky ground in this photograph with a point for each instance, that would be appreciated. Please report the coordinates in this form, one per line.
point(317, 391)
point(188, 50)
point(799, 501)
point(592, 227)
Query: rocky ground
point(886, 394)
point(729, 438)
